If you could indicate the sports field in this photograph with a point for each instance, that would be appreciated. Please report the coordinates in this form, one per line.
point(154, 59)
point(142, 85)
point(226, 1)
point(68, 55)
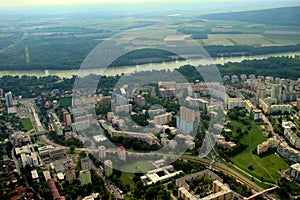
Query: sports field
point(27, 124)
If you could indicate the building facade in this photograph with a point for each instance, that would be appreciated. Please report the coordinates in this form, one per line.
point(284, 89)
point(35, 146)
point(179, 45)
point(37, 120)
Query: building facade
point(108, 168)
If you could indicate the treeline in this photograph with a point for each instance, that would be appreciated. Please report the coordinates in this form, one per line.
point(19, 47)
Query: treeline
point(228, 51)
point(71, 142)
point(143, 56)
point(199, 33)
point(134, 144)
point(32, 86)
point(284, 67)
point(65, 30)
point(195, 32)
point(235, 185)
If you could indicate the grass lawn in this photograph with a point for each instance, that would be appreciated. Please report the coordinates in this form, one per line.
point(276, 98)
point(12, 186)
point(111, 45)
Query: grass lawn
point(138, 166)
point(127, 178)
point(266, 166)
point(65, 102)
point(27, 124)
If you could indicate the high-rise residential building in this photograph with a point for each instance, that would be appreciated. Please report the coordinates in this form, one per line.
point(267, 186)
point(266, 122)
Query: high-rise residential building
point(70, 171)
point(235, 102)
point(9, 99)
point(66, 117)
point(243, 77)
point(64, 112)
point(139, 100)
point(108, 168)
point(276, 91)
point(234, 78)
point(185, 120)
point(124, 108)
point(162, 119)
point(295, 172)
point(86, 164)
point(85, 177)
point(122, 153)
point(119, 99)
point(187, 114)
point(298, 103)
point(261, 92)
point(102, 152)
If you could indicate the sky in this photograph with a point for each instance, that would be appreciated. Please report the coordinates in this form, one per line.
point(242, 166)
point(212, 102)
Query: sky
point(18, 3)
point(218, 5)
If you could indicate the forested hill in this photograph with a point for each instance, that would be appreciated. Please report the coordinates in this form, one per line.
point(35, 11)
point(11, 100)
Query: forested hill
point(278, 16)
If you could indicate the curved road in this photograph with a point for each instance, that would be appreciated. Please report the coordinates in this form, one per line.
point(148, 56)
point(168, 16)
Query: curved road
point(217, 166)
point(226, 170)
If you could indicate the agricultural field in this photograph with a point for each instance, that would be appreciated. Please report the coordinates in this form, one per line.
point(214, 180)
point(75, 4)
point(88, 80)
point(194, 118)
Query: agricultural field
point(237, 39)
point(5, 35)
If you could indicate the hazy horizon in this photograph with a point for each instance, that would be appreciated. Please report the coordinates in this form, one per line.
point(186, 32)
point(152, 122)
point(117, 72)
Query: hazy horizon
point(32, 7)
point(129, 3)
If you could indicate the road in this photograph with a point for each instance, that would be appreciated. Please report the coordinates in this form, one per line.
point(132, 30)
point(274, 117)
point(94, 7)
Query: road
point(214, 165)
point(108, 184)
point(30, 107)
point(15, 159)
point(25, 35)
point(223, 168)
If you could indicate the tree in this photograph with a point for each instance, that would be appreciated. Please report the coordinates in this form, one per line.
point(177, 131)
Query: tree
point(250, 167)
point(167, 131)
point(72, 148)
point(82, 154)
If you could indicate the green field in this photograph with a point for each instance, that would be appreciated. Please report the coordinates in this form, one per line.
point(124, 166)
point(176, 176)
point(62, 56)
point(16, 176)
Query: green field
point(138, 166)
point(65, 102)
point(27, 124)
point(128, 170)
point(265, 167)
point(127, 179)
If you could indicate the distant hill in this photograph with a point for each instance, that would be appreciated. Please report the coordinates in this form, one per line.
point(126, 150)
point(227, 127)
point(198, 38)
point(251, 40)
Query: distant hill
point(287, 16)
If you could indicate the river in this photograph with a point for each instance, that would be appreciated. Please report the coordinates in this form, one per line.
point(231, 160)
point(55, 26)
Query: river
point(112, 71)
